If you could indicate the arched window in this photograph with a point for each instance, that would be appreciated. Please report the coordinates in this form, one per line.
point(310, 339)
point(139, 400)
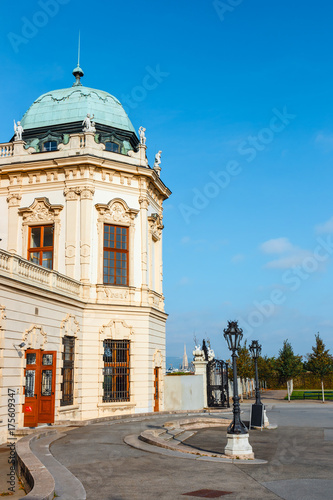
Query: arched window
point(50, 146)
point(112, 146)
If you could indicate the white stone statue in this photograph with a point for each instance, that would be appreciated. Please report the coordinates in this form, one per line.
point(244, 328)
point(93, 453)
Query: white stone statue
point(142, 136)
point(211, 354)
point(18, 131)
point(88, 125)
point(158, 160)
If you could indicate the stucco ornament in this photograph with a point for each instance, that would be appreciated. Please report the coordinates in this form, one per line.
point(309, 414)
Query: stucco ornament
point(88, 125)
point(40, 210)
point(117, 330)
point(18, 129)
point(142, 136)
point(70, 326)
point(35, 337)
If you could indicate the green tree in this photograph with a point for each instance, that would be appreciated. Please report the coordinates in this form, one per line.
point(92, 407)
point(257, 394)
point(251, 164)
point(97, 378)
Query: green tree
point(288, 366)
point(245, 367)
point(320, 362)
point(267, 369)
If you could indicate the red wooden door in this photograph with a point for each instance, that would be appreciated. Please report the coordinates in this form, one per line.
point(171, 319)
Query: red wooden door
point(40, 387)
point(156, 389)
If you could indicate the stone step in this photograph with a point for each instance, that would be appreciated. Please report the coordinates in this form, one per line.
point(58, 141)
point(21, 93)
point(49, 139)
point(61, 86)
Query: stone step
point(176, 436)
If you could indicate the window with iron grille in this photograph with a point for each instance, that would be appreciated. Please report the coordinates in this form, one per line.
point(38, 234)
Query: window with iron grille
point(116, 370)
point(115, 263)
point(67, 386)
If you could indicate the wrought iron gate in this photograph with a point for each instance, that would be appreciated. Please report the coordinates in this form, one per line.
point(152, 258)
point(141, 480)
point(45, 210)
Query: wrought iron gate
point(217, 384)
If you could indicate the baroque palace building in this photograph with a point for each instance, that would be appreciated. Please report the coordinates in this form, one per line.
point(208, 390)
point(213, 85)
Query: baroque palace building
point(82, 321)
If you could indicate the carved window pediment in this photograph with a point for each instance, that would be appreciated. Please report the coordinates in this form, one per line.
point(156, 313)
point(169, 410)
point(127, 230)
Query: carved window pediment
point(116, 330)
point(70, 326)
point(116, 211)
point(40, 210)
point(35, 337)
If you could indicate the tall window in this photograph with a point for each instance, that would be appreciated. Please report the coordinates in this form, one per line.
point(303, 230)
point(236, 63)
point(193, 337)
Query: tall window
point(115, 263)
point(40, 249)
point(67, 386)
point(116, 370)
point(112, 146)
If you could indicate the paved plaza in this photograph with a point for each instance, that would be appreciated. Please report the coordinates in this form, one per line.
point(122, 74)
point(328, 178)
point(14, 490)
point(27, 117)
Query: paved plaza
point(298, 457)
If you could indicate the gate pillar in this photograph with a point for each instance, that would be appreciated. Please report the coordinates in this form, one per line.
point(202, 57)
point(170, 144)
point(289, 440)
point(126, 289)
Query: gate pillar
point(200, 368)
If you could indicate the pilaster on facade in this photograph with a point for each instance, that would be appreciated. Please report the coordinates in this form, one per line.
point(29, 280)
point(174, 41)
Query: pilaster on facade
point(13, 200)
point(72, 196)
point(86, 206)
point(144, 204)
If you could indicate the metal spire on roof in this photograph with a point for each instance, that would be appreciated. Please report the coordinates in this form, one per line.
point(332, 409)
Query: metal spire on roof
point(78, 72)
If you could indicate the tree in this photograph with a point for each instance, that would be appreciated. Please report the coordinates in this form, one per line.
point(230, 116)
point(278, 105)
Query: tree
point(288, 366)
point(319, 362)
point(266, 369)
point(245, 367)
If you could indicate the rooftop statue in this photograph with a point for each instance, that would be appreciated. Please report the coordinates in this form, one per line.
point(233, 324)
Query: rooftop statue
point(142, 135)
point(88, 124)
point(157, 160)
point(18, 131)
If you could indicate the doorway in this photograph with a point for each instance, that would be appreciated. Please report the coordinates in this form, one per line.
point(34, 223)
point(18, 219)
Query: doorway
point(39, 403)
point(157, 389)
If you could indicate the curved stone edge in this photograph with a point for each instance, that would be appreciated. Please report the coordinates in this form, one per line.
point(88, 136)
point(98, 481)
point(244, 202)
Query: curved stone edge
point(35, 477)
point(134, 441)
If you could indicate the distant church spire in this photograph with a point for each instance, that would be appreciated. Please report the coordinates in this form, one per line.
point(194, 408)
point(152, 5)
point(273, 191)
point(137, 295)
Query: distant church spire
point(185, 360)
point(78, 72)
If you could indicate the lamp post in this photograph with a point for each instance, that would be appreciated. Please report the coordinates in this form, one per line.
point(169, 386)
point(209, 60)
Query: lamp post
point(237, 433)
point(255, 350)
point(233, 335)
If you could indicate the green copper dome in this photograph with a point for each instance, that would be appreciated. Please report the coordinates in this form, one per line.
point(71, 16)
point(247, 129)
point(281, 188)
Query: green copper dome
point(72, 105)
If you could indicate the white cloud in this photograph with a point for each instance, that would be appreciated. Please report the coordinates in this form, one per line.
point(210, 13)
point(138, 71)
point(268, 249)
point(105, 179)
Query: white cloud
point(291, 255)
point(324, 140)
point(326, 227)
point(296, 258)
point(184, 281)
point(277, 245)
point(237, 258)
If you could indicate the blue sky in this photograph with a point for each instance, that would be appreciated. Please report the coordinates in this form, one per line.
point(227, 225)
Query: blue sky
point(241, 107)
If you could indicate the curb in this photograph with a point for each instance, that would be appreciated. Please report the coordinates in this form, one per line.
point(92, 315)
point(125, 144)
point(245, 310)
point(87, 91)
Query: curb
point(35, 477)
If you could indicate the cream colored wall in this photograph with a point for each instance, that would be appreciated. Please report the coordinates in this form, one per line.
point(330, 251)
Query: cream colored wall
point(79, 182)
point(144, 328)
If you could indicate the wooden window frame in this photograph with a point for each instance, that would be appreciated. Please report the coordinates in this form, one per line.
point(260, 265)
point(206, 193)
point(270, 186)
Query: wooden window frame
point(117, 250)
point(118, 369)
point(42, 249)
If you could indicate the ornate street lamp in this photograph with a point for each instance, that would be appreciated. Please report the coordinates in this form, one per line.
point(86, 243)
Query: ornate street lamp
point(255, 350)
point(233, 335)
point(238, 445)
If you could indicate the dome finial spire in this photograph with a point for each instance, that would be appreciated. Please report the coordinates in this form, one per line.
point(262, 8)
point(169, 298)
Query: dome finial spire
point(78, 72)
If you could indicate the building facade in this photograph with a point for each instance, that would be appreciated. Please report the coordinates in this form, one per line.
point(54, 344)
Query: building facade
point(82, 321)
